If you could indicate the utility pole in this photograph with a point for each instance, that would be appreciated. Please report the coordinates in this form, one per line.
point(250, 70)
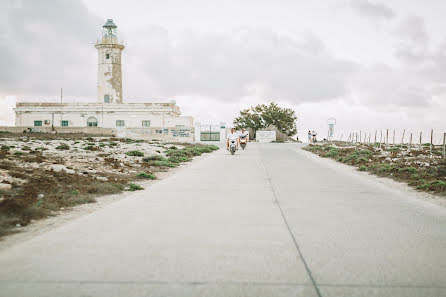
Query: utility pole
point(61, 102)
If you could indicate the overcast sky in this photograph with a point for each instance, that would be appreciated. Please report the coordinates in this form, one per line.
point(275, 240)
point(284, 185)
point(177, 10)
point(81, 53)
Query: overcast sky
point(370, 64)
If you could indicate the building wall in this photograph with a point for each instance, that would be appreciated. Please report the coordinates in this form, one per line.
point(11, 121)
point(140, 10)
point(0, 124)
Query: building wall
point(165, 134)
point(77, 115)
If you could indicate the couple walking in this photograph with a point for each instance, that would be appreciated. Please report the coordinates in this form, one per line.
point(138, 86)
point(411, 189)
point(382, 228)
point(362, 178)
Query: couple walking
point(312, 137)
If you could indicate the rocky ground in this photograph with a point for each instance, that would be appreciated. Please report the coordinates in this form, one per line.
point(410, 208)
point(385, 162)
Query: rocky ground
point(40, 174)
point(419, 168)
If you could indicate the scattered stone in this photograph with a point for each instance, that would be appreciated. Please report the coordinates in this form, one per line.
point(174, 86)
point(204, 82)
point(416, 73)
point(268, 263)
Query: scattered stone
point(40, 196)
point(5, 187)
point(18, 225)
point(102, 178)
point(57, 167)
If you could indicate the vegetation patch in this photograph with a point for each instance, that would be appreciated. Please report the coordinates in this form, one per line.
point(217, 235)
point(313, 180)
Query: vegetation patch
point(135, 187)
point(154, 158)
point(63, 146)
point(146, 175)
point(135, 154)
point(415, 166)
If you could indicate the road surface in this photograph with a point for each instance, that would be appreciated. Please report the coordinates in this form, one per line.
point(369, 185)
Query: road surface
point(268, 221)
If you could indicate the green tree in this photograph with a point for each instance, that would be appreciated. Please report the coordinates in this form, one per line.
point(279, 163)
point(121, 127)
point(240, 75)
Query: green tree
point(262, 116)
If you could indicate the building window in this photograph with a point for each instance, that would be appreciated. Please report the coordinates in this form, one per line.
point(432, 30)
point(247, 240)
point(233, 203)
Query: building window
point(120, 123)
point(106, 98)
point(92, 122)
point(37, 123)
point(64, 123)
point(107, 56)
point(146, 123)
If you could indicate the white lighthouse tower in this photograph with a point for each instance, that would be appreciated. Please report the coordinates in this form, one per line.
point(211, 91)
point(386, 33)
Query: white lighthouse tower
point(109, 65)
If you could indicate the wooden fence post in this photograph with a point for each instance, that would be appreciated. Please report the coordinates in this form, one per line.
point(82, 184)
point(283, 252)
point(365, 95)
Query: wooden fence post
point(360, 136)
point(402, 139)
point(393, 137)
point(410, 142)
point(380, 137)
point(444, 145)
point(387, 137)
point(421, 136)
point(369, 137)
point(376, 131)
point(432, 136)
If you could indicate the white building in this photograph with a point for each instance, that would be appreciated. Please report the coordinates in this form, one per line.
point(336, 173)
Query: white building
point(109, 111)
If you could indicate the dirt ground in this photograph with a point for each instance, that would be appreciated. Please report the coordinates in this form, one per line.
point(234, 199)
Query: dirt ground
point(418, 167)
point(42, 174)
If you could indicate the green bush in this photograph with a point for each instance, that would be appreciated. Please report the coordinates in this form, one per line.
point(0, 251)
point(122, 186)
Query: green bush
point(5, 148)
point(154, 158)
point(178, 159)
point(75, 192)
point(164, 163)
point(80, 200)
point(135, 154)
point(146, 175)
point(63, 146)
point(408, 169)
point(363, 168)
point(135, 187)
point(18, 153)
point(385, 167)
point(333, 152)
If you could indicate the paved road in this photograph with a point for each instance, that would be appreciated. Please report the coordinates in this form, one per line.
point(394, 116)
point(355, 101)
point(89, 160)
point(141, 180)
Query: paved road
point(270, 221)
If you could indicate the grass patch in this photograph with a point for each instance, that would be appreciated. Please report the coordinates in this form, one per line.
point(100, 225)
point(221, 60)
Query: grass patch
point(408, 169)
point(363, 168)
point(146, 175)
point(333, 152)
point(178, 159)
point(78, 200)
point(135, 187)
point(135, 154)
point(75, 192)
point(164, 163)
point(63, 146)
point(154, 158)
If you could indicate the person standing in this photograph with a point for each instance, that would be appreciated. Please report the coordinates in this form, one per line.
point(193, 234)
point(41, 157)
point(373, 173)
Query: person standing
point(309, 137)
point(314, 137)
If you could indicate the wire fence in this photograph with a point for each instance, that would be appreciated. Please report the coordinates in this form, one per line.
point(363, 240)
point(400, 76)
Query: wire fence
point(390, 138)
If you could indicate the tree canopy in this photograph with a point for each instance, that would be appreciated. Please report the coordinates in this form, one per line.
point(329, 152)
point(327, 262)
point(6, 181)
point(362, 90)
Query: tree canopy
point(262, 116)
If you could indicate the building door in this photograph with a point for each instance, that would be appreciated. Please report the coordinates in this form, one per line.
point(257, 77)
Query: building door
point(92, 122)
point(210, 133)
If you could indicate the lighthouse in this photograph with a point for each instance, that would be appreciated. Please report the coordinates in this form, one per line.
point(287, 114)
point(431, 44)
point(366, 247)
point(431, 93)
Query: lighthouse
point(109, 65)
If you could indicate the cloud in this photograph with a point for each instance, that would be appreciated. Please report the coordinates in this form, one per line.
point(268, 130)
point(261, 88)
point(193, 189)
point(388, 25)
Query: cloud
point(228, 66)
point(45, 45)
point(412, 39)
point(372, 10)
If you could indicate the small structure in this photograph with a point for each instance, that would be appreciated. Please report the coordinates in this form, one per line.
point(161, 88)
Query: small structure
point(266, 136)
point(110, 111)
point(331, 123)
point(210, 132)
